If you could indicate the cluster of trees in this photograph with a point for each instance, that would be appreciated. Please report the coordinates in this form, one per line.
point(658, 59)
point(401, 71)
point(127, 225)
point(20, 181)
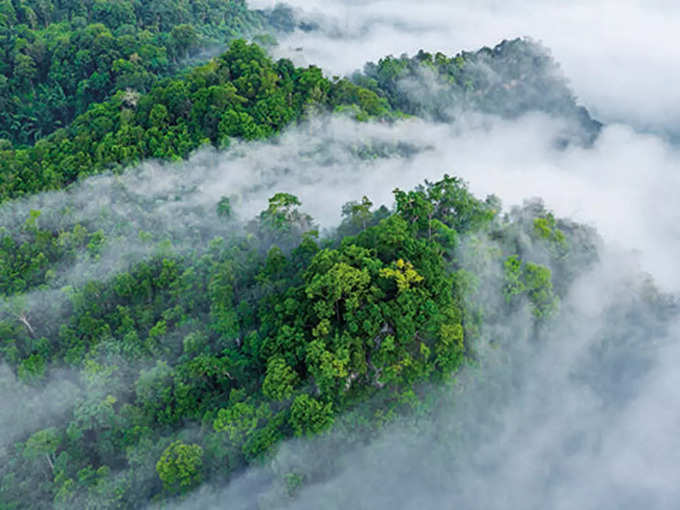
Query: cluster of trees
point(58, 57)
point(193, 365)
point(29, 258)
point(242, 94)
point(514, 77)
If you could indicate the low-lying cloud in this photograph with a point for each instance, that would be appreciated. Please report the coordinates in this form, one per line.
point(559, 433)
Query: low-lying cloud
point(623, 185)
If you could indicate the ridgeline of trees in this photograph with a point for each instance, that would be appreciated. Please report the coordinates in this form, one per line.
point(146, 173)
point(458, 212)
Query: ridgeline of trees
point(242, 94)
point(513, 78)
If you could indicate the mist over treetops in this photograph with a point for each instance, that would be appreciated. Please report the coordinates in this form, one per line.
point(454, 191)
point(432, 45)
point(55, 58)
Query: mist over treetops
point(233, 278)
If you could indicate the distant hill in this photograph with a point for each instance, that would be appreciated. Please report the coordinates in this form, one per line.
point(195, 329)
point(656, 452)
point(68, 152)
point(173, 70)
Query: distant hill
point(513, 78)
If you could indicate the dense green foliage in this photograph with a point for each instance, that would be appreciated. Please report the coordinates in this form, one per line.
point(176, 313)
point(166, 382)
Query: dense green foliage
point(57, 57)
point(251, 342)
point(242, 94)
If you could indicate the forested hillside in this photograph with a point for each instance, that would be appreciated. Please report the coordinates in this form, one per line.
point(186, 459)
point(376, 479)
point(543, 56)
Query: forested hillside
point(510, 79)
point(58, 57)
point(242, 94)
point(250, 341)
point(154, 341)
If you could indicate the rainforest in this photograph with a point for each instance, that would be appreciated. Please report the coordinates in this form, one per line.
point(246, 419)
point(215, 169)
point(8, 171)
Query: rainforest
point(317, 255)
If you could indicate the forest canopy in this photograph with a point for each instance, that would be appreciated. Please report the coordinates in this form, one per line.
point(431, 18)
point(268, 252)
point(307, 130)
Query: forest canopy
point(59, 57)
point(144, 357)
point(243, 94)
point(255, 337)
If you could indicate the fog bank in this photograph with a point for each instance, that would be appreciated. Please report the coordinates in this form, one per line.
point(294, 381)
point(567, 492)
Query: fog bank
point(624, 185)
